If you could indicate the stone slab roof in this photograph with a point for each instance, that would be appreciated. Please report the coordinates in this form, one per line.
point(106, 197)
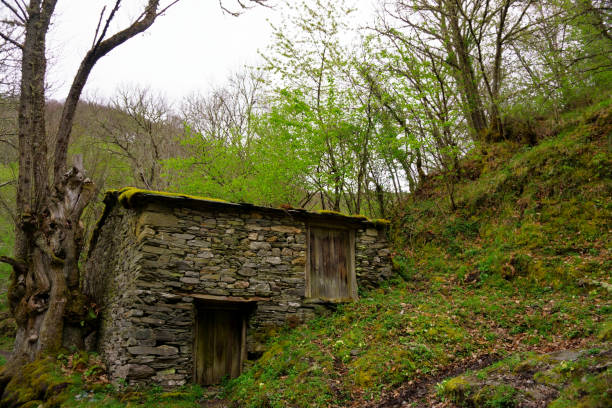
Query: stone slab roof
point(131, 197)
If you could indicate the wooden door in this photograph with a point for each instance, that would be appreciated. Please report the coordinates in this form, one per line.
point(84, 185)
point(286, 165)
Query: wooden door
point(219, 344)
point(329, 263)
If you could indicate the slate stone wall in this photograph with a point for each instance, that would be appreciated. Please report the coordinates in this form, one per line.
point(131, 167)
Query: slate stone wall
point(372, 257)
point(149, 266)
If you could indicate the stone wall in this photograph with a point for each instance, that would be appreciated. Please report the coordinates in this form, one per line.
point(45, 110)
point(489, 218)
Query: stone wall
point(113, 268)
point(150, 264)
point(372, 257)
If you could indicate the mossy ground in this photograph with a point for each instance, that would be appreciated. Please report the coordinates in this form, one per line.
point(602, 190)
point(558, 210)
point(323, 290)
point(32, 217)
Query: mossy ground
point(562, 379)
point(79, 380)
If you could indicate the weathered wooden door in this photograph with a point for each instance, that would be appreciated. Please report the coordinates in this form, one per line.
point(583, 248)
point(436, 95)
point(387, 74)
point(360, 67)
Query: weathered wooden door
point(219, 343)
point(329, 263)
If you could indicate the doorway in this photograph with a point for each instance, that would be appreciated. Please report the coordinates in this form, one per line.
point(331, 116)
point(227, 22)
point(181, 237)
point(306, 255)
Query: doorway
point(220, 340)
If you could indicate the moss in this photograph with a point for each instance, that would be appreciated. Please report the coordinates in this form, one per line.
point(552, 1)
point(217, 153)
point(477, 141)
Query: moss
point(125, 195)
point(377, 222)
point(175, 395)
point(496, 396)
point(39, 380)
point(529, 364)
point(33, 404)
point(605, 333)
point(366, 378)
point(78, 310)
point(132, 396)
point(331, 212)
point(456, 389)
point(588, 391)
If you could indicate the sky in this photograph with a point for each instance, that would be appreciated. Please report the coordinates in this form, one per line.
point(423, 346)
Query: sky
point(190, 48)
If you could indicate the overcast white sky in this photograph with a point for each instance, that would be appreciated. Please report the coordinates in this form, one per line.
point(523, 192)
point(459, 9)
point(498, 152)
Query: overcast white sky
point(191, 47)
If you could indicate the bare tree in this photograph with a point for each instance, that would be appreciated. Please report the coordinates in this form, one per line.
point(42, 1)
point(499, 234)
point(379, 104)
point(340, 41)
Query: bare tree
point(142, 130)
point(226, 113)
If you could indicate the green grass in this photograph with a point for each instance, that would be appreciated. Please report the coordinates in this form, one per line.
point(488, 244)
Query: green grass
point(405, 331)
point(111, 397)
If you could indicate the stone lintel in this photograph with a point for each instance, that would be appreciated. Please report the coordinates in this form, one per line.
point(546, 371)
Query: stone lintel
point(216, 298)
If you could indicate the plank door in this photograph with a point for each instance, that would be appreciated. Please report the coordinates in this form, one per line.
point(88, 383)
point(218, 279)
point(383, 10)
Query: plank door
point(220, 344)
point(329, 263)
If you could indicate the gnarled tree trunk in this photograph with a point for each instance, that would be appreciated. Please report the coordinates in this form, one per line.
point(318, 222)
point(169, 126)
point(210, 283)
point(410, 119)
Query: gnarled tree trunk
point(41, 287)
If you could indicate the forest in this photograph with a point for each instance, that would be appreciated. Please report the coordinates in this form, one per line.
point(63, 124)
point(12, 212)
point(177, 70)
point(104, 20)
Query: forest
point(481, 129)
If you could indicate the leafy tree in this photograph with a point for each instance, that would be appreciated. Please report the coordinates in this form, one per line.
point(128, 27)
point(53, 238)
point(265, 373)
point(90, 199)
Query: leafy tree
point(219, 140)
point(317, 70)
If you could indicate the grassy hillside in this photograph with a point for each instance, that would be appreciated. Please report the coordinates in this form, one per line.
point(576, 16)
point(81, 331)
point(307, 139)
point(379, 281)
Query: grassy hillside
point(522, 265)
point(520, 269)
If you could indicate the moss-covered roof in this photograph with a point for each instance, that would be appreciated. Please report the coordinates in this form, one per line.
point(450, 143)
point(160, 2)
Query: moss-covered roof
point(126, 194)
point(131, 197)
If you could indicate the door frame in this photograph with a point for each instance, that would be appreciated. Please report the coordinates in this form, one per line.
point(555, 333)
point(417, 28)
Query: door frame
point(352, 276)
point(244, 307)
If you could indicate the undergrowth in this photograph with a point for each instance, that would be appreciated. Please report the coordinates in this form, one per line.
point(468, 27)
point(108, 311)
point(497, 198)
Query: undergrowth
point(79, 380)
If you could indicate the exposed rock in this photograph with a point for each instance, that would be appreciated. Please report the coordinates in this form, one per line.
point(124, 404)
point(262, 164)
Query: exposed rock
point(139, 371)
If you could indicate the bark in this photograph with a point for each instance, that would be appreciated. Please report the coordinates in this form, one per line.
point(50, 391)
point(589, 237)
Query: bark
point(41, 287)
point(497, 71)
point(101, 48)
point(467, 78)
point(596, 17)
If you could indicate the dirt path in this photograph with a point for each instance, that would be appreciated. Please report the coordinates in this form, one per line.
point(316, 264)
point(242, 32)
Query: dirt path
point(420, 393)
point(215, 404)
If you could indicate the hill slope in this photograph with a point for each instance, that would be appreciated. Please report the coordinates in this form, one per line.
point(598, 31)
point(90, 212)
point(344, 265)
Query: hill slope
point(522, 265)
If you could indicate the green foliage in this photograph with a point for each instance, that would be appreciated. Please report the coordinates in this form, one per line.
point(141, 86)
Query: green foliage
point(79, 380)
point(39, 381)
point(517, 259)
point(269, 171)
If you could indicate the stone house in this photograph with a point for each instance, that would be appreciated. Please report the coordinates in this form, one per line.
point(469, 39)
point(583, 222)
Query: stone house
point(190, 287)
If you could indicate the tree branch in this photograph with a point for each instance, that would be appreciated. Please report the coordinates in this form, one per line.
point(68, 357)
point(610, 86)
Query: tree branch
point(98, 26)
point(10, 40)
point(17, 266)
point(101, 48)
point(167, 7)
point(107, 24)
point(11, 144)
point(242, 5)
point(22, 17)
point(6, 183)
